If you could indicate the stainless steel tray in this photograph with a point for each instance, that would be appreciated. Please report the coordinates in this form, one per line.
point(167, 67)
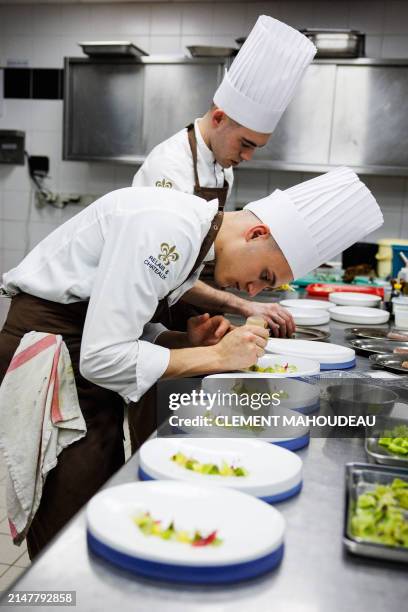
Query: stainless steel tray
point(104, 48)
point(372, 333)
point(378, 347)
point(360, 478)
point(389, 362)
point(207, 51)
point(305, 333)
point(379, 453)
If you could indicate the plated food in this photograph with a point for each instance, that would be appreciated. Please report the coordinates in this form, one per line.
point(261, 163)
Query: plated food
point(390, 361)
point(329, 356)
point(378, 347)
point(169, 531)
point(254, 467)
point(277, 368)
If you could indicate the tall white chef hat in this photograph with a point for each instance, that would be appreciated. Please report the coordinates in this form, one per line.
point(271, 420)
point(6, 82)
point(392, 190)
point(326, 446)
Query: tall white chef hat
point(262, 78)
point(316, 220)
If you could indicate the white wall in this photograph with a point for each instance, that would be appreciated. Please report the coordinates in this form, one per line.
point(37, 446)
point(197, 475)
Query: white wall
point(45, 33)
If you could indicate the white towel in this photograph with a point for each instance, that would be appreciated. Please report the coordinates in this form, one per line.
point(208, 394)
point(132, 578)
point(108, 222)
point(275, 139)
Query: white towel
point(39, 417)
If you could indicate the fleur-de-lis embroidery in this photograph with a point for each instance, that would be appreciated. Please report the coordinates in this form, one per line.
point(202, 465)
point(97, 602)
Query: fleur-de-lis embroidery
point(168, 253)
point(164, 183)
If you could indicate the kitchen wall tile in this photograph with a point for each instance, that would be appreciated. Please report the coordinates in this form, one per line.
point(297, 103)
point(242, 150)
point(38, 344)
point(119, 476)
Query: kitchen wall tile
point(229, 19)
point(170, 45)
point(17, 115)
point(388, 191)
point(46, 115)
point(69, 46)
point(47, 20)
point(373, 45)
point(14, 178)
point(166, 19)
point(69, 211)
point(124, 176)
point(100, 178)
point(299, 14)
point(3, 10)
point(46, 214)
point(254, 9)
point(18, 20)
point(367, 17)
point(197, 19)
point(18, 50)
point(11, 258)
point(136, 18)
point(47, 52)
point(279, 179)
point(251, 185)
point(48, 144)
point(14, 235)
point(395, 46)
point(72, 176)
point(330, 14)
point(223, 40)
point(390, 229)
point(103, 14)
point(15, 205)
point(37, 232)
point(396, 17)
point(76, 21)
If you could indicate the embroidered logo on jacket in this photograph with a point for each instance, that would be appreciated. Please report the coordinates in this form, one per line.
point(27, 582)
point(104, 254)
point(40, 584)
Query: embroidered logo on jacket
point(164, 183)
point(168, 253)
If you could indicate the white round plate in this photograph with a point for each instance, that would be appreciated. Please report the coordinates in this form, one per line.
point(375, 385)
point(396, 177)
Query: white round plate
point(306, 304)
point(309, 316)
point(323, 352)
point(250, 530)
point(200, 420)
point(304, 367)
point(294, 394)
point(274, 473)
point(359, 315)
point(354, 299)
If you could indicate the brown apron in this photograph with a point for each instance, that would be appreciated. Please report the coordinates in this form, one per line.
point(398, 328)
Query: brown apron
point(85, 465)
point(176, 318)
point(142, 415)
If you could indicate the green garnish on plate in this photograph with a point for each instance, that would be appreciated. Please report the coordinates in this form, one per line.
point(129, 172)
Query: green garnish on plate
point(277, 368)
point(151, 527)
point(380, 515)
point(396, 440)
point(211, 469)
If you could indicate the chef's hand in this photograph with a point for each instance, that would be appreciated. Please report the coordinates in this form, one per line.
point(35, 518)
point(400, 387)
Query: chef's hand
point(242, 347)
point(204, 330)
point(278, 318)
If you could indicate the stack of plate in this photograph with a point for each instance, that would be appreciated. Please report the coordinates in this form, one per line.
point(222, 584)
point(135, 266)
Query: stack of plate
point(309, 316)
point(330, 356)
point(248, 531)
point(306, 304)
point(273, 473)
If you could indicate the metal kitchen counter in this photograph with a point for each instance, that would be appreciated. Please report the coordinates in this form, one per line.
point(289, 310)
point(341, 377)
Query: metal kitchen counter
point(316, 575)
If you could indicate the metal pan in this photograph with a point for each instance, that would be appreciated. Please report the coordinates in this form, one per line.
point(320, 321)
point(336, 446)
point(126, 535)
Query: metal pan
point(207, 51)
point(360, 478)
point(379, 453)
point(372, 333)
point(378, 347)
point(305, 333)
point(389, 362)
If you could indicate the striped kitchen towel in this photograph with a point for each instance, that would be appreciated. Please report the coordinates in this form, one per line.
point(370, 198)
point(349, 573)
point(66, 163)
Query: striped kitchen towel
point(39, 417)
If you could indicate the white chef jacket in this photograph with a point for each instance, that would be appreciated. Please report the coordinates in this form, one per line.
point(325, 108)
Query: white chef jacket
point(118, 254)
point(170, 164)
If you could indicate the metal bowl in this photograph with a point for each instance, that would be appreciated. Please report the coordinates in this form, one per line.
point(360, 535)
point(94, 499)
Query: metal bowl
point(360, 399)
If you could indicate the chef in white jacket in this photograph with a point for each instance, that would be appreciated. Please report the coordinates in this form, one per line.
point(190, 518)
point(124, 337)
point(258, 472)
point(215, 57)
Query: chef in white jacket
point(99, 279)
point(199, 159)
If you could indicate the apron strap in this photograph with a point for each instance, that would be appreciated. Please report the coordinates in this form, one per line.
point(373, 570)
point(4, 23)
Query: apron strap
point(193, 146)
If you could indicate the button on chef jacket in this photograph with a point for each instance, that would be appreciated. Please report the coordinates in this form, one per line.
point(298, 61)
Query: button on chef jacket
point(124, 253)
point(170, 165)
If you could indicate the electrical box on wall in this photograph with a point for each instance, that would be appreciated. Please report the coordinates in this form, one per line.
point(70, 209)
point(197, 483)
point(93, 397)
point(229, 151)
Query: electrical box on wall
point(12, 147)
